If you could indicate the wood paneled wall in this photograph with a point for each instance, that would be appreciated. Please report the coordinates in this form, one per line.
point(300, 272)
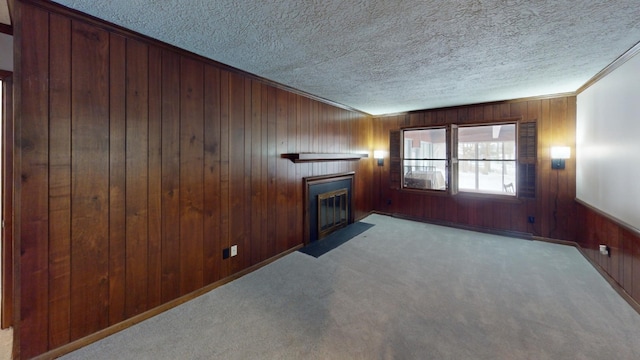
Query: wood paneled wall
point(138, 163)
point(623, 261)
point(553, 206)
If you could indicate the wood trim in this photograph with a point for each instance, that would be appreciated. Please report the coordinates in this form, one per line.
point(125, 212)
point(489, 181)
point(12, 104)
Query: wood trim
point(310, 157)
point(490, 103)
point(7, 204)
point(615, 220)
point(16, 14)
point(614, 284)
point(525, 236)
point(5, 74)
point(6, 29)
point(113, 28)
point(509, 120)
point(611, 67)
point(75, 345)
point(516, 234)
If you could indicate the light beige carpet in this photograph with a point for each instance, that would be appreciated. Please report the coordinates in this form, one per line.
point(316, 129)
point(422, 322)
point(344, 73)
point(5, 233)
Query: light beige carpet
point(400, 290)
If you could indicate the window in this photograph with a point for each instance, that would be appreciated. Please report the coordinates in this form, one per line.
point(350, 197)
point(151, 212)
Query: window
point(424, 159)
point(487, 159)
point(468, 158)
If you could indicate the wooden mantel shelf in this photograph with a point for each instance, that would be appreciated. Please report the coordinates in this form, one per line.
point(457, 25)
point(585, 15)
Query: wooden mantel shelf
point(309, 157)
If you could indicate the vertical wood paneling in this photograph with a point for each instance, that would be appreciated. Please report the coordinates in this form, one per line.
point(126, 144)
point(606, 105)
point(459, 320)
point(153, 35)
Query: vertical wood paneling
point(60, 182)
point(244, 253)
point(191, 175)
point(7, 186)
point(556, 123)
point(212, 252)
point(236, 168)
point(628, 272)
point(257, 193)
point(290, 183)
point(90, 180)
point(137, 178)
point(225, 165)
point(264, 244)
point(170, 176)
point(282, 173)
point(297, 204)
point(272, 174)
point(154, 293)
point(149, 164)
point(546, 198)
point(634, 288)
point(33, 225)
point(623, 263)
point(117, 179)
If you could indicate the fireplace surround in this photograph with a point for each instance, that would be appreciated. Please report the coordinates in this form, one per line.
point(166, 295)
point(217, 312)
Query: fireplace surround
point(328, 204)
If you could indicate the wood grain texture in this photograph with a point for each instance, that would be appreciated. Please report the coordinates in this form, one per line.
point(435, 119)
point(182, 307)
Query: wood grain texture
point(140, 165)
point(89, 179)
point(623, 261)
point(136, 177)
point(170, 176)
point(154, 174)
point(237, 194)
point(60, 183)
point(553, 206)
point(8, 151)
point(212, 245)
point(191, 175)
point(117, 178)
point(33, 148)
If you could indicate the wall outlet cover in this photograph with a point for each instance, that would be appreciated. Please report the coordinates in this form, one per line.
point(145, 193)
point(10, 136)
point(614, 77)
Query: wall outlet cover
point(225, 253)
point(234, 250)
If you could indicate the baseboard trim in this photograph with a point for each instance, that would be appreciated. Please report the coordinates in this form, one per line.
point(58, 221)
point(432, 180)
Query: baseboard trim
point(556, 241)
point(510, 233)
point(614, 284)
point(77, 344)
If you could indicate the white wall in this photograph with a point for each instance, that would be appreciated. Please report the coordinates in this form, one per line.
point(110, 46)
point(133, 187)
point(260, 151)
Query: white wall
point(608, 144)
point(6, 52)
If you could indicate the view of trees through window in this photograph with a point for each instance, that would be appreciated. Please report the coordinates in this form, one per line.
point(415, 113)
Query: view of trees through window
point(487, 158)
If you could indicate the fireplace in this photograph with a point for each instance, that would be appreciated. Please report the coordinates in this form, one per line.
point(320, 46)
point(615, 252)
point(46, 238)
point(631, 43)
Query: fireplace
point(333, 211)
point(329, 204)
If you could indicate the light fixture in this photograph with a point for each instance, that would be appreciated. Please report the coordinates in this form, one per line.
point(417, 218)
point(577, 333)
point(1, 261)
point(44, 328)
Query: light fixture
point(558, 155)
point(379, 154)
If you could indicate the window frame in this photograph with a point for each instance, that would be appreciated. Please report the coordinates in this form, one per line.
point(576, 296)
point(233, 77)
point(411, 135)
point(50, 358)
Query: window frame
point(452, 161)
point(446, 159)
point(516, 125)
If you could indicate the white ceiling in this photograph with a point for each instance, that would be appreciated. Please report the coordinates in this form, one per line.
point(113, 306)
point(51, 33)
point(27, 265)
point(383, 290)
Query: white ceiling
point(382, 56)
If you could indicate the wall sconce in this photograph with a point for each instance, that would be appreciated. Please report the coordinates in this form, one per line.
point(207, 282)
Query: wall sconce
point(558, 155)
point(379, 154)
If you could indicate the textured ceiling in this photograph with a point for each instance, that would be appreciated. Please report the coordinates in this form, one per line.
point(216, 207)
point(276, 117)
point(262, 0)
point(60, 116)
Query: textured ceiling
point(383, 56)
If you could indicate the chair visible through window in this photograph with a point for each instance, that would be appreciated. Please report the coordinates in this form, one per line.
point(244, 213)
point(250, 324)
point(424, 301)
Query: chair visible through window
point(509, 188)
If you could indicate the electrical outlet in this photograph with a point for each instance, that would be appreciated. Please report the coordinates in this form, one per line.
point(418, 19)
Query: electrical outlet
point(225, 253)
point(234, 250)
point(532, 219)
point(604, 250)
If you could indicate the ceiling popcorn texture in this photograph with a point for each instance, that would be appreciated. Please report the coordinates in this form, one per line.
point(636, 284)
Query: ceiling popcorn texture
point(385, 57)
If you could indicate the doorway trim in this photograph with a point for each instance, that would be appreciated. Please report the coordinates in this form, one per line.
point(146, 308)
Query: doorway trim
point(6, 225)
